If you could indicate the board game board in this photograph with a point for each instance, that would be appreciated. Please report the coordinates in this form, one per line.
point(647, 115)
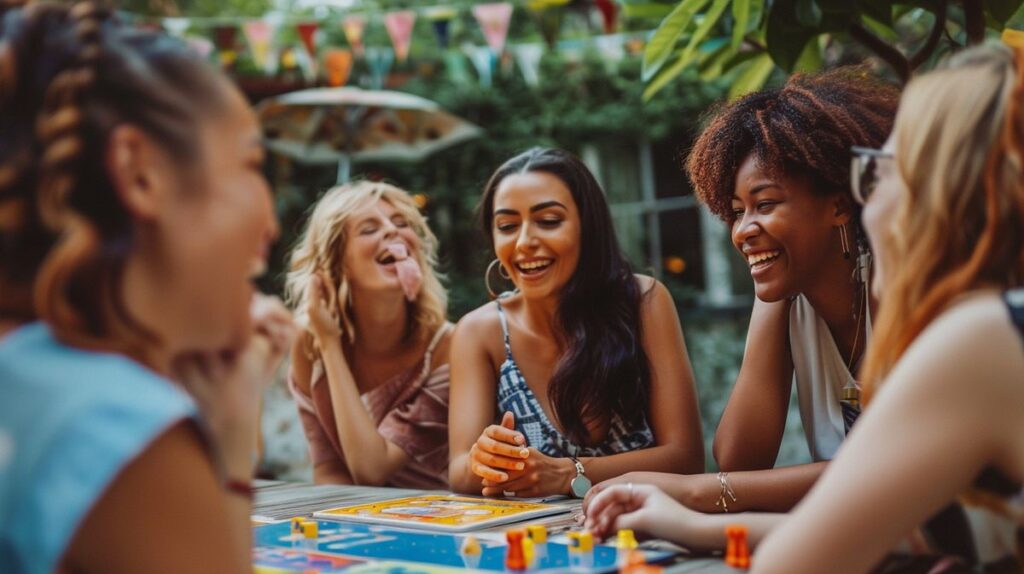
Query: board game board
point(442, 512)
point(355, 548)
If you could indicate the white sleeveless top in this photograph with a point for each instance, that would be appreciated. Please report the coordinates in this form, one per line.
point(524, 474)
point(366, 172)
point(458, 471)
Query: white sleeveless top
point(820, 374)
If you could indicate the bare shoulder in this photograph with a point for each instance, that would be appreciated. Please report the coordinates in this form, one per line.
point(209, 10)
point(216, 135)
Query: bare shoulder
point(479, 331)
point(654, 296)
point(975, 342)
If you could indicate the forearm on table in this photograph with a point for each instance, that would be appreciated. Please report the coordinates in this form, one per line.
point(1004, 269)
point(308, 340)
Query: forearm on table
point(708, 533)
point(668, 458)
point(773, 490)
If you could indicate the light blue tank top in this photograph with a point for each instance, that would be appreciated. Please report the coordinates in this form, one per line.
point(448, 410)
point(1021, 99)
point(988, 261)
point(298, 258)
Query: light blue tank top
point(70, 420)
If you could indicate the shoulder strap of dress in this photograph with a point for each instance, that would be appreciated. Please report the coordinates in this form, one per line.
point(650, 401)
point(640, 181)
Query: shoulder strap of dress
point(445, 328)
point(1014, 299)
point(504, 328)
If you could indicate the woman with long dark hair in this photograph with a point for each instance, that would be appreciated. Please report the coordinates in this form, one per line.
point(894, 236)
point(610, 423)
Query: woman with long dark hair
point(580, 374)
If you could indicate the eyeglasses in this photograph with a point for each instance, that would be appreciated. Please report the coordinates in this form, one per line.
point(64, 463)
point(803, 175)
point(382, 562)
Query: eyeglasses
point(864, 171)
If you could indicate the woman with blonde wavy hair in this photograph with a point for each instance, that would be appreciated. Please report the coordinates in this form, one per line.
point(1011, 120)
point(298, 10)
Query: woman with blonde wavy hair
point(939, 452)
point(370, 372)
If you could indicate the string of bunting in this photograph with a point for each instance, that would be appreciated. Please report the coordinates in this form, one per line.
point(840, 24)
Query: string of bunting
point(493, 19)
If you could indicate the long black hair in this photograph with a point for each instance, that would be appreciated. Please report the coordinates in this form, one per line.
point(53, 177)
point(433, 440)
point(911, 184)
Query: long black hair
point(604, 370)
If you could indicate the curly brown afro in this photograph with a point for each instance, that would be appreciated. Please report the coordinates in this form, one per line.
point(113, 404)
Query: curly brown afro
point(805, 128)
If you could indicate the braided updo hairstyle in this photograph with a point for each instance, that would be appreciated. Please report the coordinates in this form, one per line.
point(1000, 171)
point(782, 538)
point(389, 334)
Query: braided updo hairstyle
point(69, 75)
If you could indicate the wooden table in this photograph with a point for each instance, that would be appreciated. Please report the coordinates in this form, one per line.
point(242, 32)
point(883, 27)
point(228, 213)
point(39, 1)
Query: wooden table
point(281, 500)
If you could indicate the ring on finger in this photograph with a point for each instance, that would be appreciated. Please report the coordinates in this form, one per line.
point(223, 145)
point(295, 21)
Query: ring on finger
point(629, 487)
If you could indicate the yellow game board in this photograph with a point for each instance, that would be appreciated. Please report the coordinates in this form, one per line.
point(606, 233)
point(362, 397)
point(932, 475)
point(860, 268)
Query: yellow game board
point(442, 512)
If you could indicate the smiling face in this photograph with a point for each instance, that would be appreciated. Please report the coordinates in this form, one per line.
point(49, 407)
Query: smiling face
point(536, 232)
point(218, 229)
point(375, 236)
point(785, 231)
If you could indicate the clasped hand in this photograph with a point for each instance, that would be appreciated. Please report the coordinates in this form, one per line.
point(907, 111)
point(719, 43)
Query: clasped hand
point(509, 468)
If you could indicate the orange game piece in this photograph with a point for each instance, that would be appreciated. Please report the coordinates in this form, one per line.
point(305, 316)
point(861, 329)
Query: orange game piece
point(737, 551)
point(515, 558)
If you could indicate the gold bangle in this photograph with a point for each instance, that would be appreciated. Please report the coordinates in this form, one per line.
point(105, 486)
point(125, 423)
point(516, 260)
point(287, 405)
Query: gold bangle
point(723, 479)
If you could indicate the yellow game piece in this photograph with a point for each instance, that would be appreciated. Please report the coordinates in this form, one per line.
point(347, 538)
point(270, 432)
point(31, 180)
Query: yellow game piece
point(626, 540)
point(581, 541)
point(310, 530)
point(471, 546)
point(538, 533)
point(528, 553)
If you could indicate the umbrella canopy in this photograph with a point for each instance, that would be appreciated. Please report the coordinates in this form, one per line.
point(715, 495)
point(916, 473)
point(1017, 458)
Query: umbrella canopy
point(340, 125)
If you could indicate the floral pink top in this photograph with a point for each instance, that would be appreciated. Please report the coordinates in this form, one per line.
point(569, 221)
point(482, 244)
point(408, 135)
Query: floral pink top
point(411, 411)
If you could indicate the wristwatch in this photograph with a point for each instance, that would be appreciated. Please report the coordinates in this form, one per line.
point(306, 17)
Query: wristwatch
point(580, 484)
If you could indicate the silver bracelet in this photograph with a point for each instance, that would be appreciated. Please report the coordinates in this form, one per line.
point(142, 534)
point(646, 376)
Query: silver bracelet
point(723, 479)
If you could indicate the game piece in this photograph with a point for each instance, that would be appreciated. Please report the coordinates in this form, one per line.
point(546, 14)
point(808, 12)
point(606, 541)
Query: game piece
point(581, 550)
point(636, 563)
point(737, 552)
point(626, 544)
point(528, 551)
point(310, 533)
point(538, 535)
point(471, 552)
point(515, 559)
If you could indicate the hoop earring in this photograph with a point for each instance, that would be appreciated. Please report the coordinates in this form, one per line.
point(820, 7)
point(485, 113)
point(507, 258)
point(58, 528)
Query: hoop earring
point(501, 273)
point(844, 240)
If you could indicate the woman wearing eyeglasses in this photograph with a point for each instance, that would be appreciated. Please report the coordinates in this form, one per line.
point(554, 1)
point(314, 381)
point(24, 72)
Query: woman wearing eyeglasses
point(944, 376)
point(774, 166)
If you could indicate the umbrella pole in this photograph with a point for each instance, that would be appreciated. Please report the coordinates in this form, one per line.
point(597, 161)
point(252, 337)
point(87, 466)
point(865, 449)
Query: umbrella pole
point(344, 169)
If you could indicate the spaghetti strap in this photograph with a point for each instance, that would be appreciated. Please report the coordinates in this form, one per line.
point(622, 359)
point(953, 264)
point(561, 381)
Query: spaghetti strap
point(504, 329)
point(429, 354)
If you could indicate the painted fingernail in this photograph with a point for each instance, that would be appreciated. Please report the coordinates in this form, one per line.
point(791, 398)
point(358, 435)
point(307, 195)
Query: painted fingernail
point(520, 439)
point(524, 452)
point(520, 466)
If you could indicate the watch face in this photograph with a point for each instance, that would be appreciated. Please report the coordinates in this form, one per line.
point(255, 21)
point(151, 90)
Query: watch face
point(580, 485)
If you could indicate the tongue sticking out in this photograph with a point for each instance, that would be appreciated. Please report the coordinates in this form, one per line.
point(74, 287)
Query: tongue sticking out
point(408, 271)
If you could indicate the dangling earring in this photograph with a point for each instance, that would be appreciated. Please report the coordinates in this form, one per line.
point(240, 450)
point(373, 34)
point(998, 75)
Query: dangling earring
point(845, 241)
point(501, 273)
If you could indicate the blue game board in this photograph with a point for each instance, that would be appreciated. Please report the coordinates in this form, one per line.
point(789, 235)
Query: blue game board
point(370, 544)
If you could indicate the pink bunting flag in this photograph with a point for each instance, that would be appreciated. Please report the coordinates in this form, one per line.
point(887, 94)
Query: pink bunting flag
point(494, 19)
point(353, 26)
point(400, 25)
point(257, 33)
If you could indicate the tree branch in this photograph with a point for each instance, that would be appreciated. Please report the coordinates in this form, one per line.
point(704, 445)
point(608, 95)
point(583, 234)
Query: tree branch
point(933, 39)
point(974, 21)
point(889, 53)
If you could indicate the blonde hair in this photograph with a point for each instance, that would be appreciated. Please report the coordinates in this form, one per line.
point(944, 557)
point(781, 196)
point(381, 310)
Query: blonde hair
point(321, 246)
point(960, 226)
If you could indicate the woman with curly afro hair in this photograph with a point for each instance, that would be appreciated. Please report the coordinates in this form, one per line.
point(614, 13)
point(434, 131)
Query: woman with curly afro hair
point(775, 167)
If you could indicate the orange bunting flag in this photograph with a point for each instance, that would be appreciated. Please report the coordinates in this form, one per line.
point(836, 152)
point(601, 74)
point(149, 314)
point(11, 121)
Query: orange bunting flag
point(338, 64)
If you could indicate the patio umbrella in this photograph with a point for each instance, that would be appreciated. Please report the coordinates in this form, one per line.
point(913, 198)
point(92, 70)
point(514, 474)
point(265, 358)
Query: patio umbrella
point(342, 125)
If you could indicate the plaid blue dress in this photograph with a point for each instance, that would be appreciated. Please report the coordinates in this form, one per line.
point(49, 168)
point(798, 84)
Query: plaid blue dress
point(515, 395)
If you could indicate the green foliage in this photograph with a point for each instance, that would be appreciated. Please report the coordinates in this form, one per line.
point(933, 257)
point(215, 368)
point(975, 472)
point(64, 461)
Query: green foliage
point(574, 104)
point(798, 35)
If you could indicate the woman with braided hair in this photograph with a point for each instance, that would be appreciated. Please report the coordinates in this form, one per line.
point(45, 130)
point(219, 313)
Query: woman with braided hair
point(133, 217)
point(774, 166)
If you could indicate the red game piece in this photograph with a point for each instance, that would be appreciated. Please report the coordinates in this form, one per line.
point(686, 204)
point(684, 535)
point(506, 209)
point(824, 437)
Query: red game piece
point(515, 559)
